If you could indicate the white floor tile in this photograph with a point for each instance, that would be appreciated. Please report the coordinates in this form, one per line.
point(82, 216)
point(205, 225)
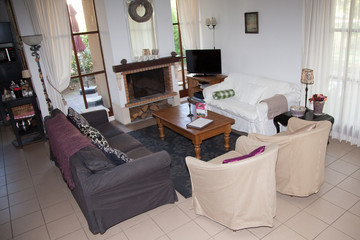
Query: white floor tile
point(210, 226)
point(283, 233)
point(306, 225)
point(77, 235)
point(24, 208)
point(333, 177)
point(325, 210)
point(63, 226)
point(341, 198)
point(333, 234)
point(5, 231)
point(189, 231)
point(27, 223)
point(355, 209)
point(285, 210)
point(351, 185)
point(146, 230)
point(228, 234)
point(171, 219)
point(344, 167)
point(57, 211)
point(349, 224)
point(35, 234)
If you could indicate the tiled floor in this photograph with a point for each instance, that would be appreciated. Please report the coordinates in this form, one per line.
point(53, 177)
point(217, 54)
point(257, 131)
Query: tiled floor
point(36, 204)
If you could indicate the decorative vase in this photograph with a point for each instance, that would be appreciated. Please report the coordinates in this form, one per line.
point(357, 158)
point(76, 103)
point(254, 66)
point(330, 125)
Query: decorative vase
point(318, 107)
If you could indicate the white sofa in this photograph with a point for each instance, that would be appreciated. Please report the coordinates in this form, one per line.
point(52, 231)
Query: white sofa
point(250, 114)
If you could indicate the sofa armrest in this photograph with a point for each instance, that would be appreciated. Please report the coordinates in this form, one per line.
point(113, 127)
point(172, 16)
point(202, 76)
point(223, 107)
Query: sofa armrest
point(136, 174)
point(96, 118)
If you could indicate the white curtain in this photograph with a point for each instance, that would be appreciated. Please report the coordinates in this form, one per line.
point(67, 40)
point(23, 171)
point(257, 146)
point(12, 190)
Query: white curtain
point(50, 18)
point(332, 50)
point(190, 22)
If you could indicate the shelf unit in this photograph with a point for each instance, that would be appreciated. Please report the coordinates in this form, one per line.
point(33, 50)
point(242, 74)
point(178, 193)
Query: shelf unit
point(25, 110)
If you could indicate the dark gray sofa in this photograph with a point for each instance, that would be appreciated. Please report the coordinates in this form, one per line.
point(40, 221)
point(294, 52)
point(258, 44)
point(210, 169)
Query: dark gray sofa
point(121, 192)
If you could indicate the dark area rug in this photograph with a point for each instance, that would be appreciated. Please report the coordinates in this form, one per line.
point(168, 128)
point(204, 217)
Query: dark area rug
point(179, 147)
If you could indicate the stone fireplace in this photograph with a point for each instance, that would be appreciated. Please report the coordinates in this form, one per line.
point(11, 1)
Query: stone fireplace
point(147, 86)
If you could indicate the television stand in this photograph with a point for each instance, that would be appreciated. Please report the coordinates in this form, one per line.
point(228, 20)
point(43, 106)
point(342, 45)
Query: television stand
point(194, 80)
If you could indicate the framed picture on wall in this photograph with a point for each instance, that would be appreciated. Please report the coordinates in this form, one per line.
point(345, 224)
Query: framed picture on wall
point(251, 22)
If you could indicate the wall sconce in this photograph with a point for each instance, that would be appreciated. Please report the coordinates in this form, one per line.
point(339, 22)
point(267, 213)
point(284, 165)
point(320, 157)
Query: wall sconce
point(211, 24)
point(34, 42)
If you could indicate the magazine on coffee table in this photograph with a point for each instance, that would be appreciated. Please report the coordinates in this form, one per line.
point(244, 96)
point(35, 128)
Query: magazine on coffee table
point(199, 123)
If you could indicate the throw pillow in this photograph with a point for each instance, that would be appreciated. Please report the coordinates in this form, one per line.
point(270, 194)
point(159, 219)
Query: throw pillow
point(96, 138)
point(76, 118)
point(253, 153)
point(221, 94)
point(116, 156)
point(94, 135)
point(95, 160)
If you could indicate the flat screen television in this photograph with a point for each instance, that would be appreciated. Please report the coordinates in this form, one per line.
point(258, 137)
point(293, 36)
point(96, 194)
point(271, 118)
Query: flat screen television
point(204, 62)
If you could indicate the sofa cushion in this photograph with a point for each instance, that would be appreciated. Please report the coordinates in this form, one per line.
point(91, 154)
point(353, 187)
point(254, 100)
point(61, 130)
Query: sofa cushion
point(124, 142)
point(138, 152)
point(253, 153)
point(76, 118)
point(249, 93)
point(109, 129)
point(221, 94)
point(95, 160)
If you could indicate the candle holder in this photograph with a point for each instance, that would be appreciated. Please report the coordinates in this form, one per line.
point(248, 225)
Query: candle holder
point(190, 114)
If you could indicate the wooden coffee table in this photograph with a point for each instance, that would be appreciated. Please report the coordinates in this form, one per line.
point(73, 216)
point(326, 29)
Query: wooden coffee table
point(176, 119)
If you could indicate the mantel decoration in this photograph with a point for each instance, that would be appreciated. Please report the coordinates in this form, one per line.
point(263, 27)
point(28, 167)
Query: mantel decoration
point(252, 22)
point(319, 101)
point(137, 7)
point(34, 42)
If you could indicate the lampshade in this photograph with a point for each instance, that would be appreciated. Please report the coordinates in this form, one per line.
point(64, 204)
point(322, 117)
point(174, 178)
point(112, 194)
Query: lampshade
point(307, 76)
point(26, 74)
point(32, 40)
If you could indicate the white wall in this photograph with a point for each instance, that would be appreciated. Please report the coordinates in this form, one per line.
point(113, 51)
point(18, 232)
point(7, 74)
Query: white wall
point(275, 52)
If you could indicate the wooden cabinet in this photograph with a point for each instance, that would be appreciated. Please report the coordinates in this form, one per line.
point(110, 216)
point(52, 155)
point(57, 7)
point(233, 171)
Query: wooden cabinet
point(26, 120)
point(194, 80)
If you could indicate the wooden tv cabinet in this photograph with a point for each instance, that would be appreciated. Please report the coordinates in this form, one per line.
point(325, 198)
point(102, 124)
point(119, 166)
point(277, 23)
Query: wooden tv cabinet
point(193, 81)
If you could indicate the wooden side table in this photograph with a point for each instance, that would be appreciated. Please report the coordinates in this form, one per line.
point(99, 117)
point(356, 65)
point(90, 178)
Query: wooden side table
point(19, 118)
point(309, 115)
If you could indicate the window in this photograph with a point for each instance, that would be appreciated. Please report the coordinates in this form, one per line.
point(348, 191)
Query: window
point(181, 67)
point(88, 86)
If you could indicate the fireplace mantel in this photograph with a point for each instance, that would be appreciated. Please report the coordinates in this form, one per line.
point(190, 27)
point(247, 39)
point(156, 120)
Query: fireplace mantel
point(145, 64)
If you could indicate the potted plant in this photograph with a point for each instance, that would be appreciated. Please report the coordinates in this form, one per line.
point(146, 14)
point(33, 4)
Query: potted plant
point(319, 101)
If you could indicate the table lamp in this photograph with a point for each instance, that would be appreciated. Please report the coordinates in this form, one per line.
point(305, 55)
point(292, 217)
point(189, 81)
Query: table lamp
point(307, 77)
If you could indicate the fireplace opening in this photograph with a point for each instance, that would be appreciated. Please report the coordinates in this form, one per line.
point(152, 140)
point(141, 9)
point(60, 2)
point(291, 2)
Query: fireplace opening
point(146, 83)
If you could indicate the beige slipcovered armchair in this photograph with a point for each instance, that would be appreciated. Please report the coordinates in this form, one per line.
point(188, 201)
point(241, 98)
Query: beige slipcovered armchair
point(301, 160)
point(239, 194)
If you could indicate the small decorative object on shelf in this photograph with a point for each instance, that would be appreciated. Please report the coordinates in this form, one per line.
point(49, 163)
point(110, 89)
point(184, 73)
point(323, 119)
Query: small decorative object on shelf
point(201, 110)
point(190, 114)
point(123, 61)
point(173, 54)
point(319, 101)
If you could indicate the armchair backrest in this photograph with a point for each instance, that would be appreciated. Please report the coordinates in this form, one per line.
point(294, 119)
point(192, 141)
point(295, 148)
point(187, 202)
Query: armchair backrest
point(224, 192)
point(300, 166)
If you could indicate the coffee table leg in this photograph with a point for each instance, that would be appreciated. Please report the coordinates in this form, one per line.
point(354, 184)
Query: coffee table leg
point(227, 138)
point(197, 144)
point(161, 128)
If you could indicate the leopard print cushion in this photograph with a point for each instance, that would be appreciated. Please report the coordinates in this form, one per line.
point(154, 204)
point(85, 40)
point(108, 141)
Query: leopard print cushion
point(96, 138)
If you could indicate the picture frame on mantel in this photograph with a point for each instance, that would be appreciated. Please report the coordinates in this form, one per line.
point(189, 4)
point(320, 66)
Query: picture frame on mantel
point(251, 22)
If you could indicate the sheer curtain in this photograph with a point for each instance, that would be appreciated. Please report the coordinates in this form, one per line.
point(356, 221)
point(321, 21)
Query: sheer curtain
point(189, 19)
point(50, 18)
point(332, 50)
